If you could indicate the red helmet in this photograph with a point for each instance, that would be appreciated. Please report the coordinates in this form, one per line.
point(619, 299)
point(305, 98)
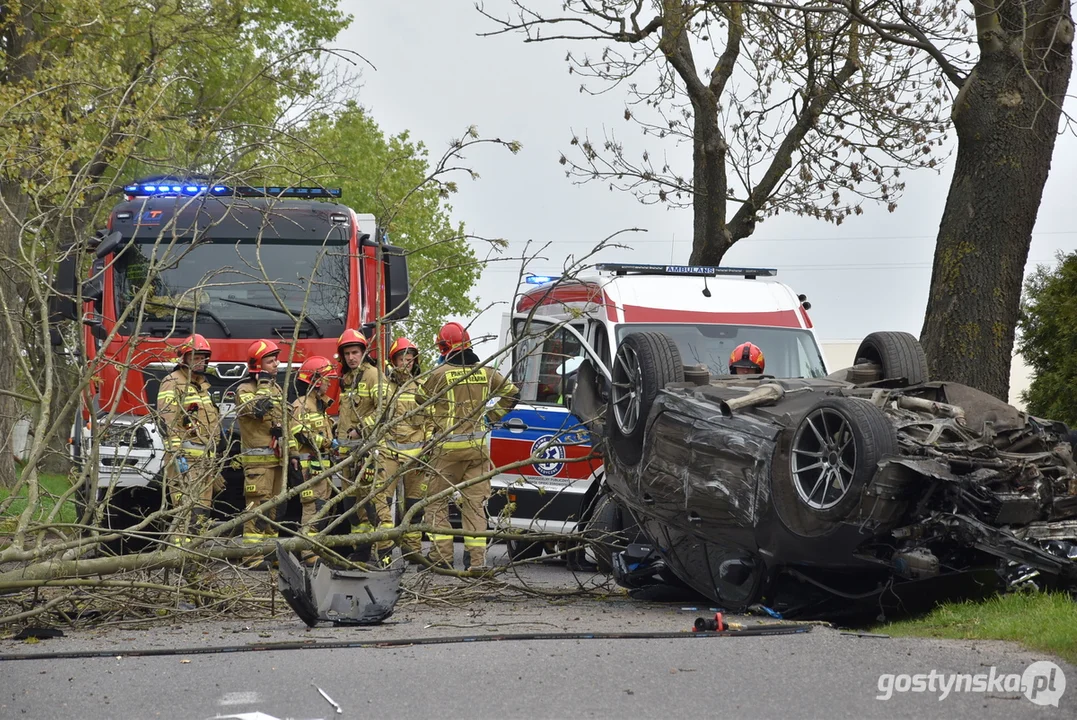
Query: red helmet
point(259, 350)
point(452, 337)
point(317, 368)
point(401, 344)
point(351, 337)
point(747, 355)
point(195, 343)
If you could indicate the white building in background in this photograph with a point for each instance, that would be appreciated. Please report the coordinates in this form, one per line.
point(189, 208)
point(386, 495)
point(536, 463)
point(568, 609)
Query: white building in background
point(839, 354)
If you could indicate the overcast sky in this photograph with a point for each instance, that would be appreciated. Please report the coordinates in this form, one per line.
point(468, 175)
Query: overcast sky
point(435, 77)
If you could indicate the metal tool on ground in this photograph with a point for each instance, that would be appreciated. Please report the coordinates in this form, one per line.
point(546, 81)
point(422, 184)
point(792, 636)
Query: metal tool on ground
point(715, 624)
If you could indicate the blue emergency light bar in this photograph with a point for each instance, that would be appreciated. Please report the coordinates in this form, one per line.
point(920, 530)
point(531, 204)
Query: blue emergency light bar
point(541, 279)
point(681, 270)
point(165, 187)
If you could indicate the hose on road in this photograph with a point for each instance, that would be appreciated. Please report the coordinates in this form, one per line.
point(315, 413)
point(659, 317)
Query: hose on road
point(754, 631)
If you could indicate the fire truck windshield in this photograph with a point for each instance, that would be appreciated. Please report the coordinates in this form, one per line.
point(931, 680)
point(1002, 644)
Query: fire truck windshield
point(234, 288)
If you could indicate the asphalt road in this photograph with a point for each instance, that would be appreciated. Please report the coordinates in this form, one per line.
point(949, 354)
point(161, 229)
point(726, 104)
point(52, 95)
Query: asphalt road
point(820, 673)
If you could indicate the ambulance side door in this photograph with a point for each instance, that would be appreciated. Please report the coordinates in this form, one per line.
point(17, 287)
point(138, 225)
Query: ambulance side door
point(541, 425)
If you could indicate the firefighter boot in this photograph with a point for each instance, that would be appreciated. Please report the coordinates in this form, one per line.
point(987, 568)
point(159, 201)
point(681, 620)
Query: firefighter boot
point(201, 519)
point(383, 558)
point(366, 522)
point(475, 555)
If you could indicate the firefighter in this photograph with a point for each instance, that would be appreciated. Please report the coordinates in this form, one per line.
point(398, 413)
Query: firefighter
point(362, 406)
point(310, 440)
point(407, 434)
point(460, 391)
point(746, 359)
point(261, 418)
point(191, 423)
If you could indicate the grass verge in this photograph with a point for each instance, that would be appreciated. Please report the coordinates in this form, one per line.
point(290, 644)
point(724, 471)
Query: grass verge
point(52, 487)
point(1038, 621)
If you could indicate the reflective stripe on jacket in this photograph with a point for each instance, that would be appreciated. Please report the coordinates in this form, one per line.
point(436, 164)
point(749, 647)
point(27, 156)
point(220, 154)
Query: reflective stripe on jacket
point(363, 392)
point(311, 431)
point(254, 432)
point(408, 428)
point(187, 412)
point(460, 394)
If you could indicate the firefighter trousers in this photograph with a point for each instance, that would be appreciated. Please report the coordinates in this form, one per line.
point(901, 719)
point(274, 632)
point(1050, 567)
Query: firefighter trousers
point(372, 484)
point(450, 468)
point(195, 485)
point(261, 483)
point(313, 498)
point(406, 473)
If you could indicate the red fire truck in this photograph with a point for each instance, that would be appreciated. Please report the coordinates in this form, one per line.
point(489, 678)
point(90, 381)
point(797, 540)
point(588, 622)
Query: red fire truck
point(234, 264)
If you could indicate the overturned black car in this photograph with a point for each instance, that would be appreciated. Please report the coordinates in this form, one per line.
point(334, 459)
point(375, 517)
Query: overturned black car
point(869, 491)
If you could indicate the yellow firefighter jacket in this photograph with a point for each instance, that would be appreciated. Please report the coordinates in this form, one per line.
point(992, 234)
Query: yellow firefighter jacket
point(407, 433)
point(363, 392)
point(192, 422)
point(311, 433)
point(460, 394)
point(256, 442)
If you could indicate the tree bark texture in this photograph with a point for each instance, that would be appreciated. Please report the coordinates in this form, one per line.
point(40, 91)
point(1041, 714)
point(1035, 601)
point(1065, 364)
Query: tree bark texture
point(19, 65)
point(1006, 116)
point(710, 236)
point(12, 215)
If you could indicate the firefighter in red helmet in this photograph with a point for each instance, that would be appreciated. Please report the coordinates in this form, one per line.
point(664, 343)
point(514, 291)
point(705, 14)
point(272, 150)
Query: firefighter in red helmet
point(406, 438)
point(260, 411)
point(746, 359)
point(191, 427)
point(463, 393)
point(311, 440)
point(363, 390)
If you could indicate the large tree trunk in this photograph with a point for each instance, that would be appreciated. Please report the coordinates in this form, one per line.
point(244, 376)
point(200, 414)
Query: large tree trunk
point(710, 237)
point(20, 64)
point(1006, 116)
point(12, 215)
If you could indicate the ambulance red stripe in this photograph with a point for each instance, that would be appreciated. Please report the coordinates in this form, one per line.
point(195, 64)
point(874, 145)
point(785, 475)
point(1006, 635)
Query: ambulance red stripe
point(776, 318)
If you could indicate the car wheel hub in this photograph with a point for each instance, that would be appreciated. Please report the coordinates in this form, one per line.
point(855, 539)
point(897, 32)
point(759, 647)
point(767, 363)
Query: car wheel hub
point(823, 459)
point(626, 390)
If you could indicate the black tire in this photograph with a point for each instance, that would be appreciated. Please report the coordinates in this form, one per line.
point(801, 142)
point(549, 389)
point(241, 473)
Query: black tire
point(821, 466)
point(128, 507)
point(603, 532)
point(899, 354)
point(520, 550)
point(645, 363)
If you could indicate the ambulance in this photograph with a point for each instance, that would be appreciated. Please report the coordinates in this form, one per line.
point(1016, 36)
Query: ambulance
point(564, 328)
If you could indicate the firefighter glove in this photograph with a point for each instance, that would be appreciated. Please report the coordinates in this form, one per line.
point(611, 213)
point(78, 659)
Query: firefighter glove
point(262, 407)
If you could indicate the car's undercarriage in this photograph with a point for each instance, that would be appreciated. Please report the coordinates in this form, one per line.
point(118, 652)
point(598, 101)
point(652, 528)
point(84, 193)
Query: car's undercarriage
point(870, 488)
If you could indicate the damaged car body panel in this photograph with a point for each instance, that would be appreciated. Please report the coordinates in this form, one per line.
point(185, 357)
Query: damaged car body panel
point(815, 495)
point(343, 597)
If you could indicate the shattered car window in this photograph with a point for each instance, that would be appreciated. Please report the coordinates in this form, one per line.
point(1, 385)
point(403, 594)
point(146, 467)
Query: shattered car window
point(789, 352)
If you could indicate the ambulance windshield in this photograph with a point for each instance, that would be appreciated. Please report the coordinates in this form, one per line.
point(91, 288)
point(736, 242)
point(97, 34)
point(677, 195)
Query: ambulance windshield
point(788, 352)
